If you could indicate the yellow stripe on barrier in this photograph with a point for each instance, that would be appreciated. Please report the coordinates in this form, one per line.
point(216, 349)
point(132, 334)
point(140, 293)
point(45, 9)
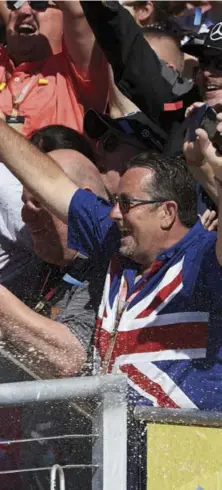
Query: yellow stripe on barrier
point(184, 458)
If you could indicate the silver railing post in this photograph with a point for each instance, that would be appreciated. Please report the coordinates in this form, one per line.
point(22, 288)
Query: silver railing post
point(110, 422)
point(105, 400)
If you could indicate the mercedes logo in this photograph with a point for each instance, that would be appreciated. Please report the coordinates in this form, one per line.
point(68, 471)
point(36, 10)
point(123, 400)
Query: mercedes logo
point(145, 133)
point(216, 32)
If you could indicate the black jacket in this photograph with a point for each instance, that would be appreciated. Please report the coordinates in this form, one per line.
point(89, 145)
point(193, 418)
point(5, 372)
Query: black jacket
point(138, 72)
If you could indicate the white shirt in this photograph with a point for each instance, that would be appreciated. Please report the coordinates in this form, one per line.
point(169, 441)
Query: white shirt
point(15, 239)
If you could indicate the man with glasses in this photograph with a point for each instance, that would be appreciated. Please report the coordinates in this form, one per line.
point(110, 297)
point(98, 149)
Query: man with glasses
point(209, 53)
point(51, 71)
point(160, 90)
point(162, 298)
point(153, 82)
point(160, 316)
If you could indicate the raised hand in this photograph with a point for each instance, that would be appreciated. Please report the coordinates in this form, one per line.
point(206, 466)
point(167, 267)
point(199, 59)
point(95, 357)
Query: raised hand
point(209, 220)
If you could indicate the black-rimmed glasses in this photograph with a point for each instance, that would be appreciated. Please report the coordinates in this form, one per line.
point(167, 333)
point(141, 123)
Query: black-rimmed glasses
point(126, 203)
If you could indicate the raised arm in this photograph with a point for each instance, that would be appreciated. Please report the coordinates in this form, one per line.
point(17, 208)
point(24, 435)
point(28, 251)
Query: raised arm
point(36, 171)
point(137, 70)
point(213, 160)
point(55, 349)
point(90, 228)
point(201, 170)
point(79, 38)
point(199, 167)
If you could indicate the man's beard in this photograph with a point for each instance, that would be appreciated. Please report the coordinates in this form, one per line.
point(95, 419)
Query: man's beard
point(128, 249)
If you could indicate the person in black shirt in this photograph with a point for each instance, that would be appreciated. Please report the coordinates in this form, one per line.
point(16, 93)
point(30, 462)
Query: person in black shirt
point(156, 88)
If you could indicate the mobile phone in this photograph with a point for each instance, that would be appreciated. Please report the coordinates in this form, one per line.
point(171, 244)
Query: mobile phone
point(205, 117)
point(195, 120)
point(209, 124)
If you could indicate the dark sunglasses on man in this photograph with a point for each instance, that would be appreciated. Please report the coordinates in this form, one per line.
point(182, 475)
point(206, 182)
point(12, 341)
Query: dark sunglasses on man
point(126, 202)
point(36, 5)
point(215, 61)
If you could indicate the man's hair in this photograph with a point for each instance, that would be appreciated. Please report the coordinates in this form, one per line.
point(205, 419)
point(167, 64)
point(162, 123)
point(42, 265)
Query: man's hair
point(176, 8)
point(58, 137)
point(160, 33)
point(171, 181)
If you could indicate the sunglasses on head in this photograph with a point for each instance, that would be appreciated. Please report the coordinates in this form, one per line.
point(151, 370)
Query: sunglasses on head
point(35, 5)
point(126, 202)
point(110, 142)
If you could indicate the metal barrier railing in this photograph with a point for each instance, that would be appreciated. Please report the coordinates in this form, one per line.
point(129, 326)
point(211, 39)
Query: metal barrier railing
point(175, 416)
point(104, 401)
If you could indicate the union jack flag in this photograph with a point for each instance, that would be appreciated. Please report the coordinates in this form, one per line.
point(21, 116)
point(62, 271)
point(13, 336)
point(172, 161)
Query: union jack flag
point(161, 335)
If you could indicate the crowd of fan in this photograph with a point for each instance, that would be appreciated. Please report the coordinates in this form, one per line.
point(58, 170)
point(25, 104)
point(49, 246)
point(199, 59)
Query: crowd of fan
point(110, 143)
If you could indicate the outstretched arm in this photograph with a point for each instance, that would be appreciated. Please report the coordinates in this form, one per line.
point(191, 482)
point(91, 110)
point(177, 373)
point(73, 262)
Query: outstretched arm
point(199, 167)
point(79, 38)
point(137, 70)
point(36, 171)
point(55, 349)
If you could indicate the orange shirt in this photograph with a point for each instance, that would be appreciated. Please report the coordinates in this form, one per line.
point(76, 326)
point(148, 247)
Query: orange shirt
point(56, 93)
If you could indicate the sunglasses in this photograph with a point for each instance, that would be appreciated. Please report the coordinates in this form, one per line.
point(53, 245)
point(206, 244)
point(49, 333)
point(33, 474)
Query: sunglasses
point(206, 61)
point(35, 5)
point(126, 203)
point(110, 142)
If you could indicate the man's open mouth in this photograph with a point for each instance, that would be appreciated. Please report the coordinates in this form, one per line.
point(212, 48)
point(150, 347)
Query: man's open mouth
point(26, 29)
point(211, 87)
point(124, 233)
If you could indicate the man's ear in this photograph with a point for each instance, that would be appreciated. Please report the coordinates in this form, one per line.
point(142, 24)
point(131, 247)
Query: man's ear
point(171, 66)
point(168, 214)
point(143, 13)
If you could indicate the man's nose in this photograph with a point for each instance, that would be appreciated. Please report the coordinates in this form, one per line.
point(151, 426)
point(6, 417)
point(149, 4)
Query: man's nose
point(26, 8)
point(208, 70)
point(115, 213)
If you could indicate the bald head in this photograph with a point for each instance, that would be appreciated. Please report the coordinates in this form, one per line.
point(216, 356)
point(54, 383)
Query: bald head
point(80, 170)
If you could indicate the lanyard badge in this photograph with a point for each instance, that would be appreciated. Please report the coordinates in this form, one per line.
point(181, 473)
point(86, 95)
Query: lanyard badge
point(16, 122)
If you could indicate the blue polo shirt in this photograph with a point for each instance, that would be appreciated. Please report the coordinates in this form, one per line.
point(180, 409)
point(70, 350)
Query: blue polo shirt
point(186, 285)
point(90, 229)
point(93, 233)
